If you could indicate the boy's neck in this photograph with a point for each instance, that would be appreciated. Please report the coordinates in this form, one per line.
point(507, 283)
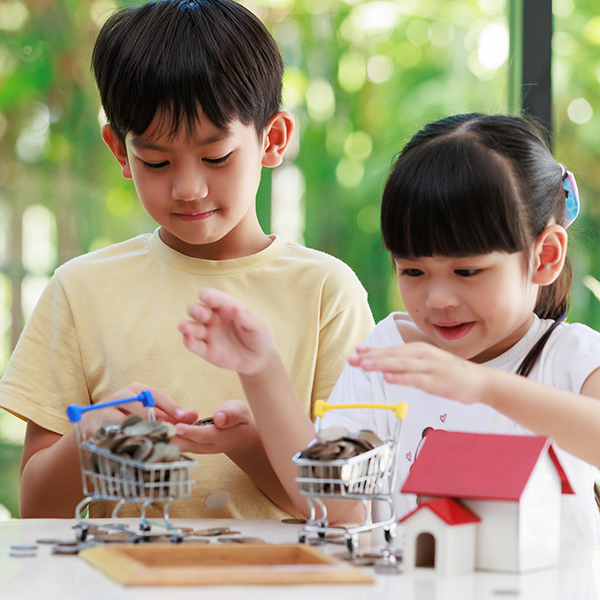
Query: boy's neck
point(222, 249)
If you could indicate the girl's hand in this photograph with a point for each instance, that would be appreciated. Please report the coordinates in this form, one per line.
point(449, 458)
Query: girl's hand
point(426, 367)
point(227, 334)
point(166, 408)
point(233, 431)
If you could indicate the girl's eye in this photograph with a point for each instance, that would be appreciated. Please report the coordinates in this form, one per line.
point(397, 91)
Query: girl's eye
point(218, 161)
point(411, 272)
point(155, 166)
point(466, 272)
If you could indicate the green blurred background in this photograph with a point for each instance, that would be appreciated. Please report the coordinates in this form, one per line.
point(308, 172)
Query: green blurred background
point(361, 77)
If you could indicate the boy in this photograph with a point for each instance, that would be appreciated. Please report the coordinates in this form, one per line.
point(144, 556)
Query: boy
point(192, 94)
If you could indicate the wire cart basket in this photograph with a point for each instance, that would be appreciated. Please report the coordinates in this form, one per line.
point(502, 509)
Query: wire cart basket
point(370, 476)
point(108, 476)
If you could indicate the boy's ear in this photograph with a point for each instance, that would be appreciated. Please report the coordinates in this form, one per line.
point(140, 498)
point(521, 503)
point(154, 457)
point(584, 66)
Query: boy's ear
point(118, 149)
point(278, 133)
point(549, 255)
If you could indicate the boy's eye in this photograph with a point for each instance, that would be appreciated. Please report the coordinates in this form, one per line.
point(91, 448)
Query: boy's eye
point(411, 272)
point(466, 272)
point(155, 166)
point(218, 161)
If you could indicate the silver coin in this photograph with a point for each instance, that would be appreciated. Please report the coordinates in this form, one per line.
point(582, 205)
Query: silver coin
point(22, 553)
point(331, 434)
point(142, 428)
point(212, 531)
point(241, 540)
point(206, 421)
point(23, 547)
point(130, 420)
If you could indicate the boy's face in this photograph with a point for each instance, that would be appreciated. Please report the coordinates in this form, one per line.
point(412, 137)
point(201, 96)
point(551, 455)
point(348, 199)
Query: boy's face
point(201, 189)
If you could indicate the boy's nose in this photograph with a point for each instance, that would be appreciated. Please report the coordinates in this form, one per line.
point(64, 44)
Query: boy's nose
point(189, 186)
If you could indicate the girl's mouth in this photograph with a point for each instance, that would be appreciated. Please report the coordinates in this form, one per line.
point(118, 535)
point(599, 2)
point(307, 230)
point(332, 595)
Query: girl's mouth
point(453, 332)
point(195, 216)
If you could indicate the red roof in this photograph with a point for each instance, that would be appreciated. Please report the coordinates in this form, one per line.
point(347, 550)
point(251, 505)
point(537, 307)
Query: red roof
point(449, 510)
point(478, 466)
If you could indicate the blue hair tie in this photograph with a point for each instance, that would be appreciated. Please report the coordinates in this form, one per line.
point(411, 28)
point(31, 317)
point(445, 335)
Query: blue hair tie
point(572, 203)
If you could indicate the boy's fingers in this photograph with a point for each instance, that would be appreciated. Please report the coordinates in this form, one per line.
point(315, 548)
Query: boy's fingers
point(232, 413)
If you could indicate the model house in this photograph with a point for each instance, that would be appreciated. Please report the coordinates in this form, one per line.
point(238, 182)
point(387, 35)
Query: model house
point(490, 502)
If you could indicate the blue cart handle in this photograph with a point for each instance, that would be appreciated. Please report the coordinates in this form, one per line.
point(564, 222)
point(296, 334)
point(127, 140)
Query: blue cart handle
point(74, 411)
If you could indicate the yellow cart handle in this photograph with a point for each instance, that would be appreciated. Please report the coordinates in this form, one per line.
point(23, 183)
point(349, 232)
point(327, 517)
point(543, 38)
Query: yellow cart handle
point(321, 407)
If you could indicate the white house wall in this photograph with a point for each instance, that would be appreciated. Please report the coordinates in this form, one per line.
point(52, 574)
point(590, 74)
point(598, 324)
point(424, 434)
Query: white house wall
point(454, 544)
point(540, 512)
point(497, 534)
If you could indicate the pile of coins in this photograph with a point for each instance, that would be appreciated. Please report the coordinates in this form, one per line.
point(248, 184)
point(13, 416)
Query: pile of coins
point(144, 441)
point(141, 441)
point(342, 471)
point(337, 443)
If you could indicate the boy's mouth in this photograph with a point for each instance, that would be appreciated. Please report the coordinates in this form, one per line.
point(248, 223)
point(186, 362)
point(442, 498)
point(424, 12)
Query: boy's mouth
point(453, 331)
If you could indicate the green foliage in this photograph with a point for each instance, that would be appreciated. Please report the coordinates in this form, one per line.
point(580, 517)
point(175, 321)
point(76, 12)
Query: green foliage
point(361, 77)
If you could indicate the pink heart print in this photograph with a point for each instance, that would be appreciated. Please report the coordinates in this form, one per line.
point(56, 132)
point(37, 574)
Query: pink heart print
point(409, 456)
point(442, 418)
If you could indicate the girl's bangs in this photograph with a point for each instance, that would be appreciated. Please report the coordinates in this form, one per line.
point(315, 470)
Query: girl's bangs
point(450, 199)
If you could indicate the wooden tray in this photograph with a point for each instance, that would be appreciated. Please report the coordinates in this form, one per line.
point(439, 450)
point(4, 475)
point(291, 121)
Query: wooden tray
point(220, 564)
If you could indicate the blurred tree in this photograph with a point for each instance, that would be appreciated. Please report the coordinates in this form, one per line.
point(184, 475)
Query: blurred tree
point(361, 77)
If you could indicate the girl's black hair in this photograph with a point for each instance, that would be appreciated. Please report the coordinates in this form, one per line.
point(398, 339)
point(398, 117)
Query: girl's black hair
point(474, 184)
point(176, 59)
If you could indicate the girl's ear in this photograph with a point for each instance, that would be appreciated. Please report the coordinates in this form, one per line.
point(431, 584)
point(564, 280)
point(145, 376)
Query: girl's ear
point(549, 254)
point(278, 133)
point(118, 149)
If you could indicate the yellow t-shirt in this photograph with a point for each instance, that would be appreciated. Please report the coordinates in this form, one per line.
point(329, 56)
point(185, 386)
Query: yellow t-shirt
point(109, 318)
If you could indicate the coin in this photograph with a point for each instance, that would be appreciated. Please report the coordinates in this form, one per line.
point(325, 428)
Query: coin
point(213, 531)
point(242, 540)
point(130, 420)
point(206, 421)
point(331, 434)
point(22, 553)
point(23, 547)
point(294, 521)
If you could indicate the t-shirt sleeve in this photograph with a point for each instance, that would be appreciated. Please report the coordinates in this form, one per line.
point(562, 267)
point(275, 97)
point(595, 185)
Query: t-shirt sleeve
point(45, 372)
point(575, 355)
point(340, 333)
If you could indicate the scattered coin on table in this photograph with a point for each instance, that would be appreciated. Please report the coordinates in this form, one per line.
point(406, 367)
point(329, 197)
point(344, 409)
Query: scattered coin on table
point(294, 521)
point(214, 531)
point(241, 540)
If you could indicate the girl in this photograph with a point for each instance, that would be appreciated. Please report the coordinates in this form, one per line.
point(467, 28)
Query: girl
point(474, 215)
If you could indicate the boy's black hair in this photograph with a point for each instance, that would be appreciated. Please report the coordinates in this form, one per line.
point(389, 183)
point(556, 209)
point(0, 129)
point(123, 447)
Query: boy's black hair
point(474, 184)
point(180, 60)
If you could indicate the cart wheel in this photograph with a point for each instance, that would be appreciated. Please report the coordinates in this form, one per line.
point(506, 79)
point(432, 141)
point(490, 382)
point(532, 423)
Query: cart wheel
point(322, 534)
point(176, 538)
point(351, 544)
point(81, 532)
point(302, 538)
point(389, 535)
point(145, 527)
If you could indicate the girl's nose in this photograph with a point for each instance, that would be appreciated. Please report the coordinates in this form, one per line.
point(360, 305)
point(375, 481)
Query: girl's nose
point(441, 295)
point(189, 185)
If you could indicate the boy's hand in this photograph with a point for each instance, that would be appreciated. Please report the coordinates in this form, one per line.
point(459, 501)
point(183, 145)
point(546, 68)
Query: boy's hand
point(424, 366)
point(226, 333)
point(166, 408)
point(233, 431)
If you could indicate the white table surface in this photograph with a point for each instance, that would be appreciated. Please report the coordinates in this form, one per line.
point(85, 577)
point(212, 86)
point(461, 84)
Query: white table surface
point(57, 577)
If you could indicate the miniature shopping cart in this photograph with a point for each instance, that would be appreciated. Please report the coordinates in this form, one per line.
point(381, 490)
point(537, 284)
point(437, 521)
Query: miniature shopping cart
point(370, 476)
point(108, 476)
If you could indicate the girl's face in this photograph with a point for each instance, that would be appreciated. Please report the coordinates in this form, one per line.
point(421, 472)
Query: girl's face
point(475, 307)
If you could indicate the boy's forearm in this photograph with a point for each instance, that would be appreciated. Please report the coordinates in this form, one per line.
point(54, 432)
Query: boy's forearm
point(50, 484)
point(572, 420)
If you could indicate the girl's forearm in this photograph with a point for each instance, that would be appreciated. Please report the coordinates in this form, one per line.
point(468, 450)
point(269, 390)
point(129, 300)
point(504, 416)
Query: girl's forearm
point(285, 429)
point(571, 420)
